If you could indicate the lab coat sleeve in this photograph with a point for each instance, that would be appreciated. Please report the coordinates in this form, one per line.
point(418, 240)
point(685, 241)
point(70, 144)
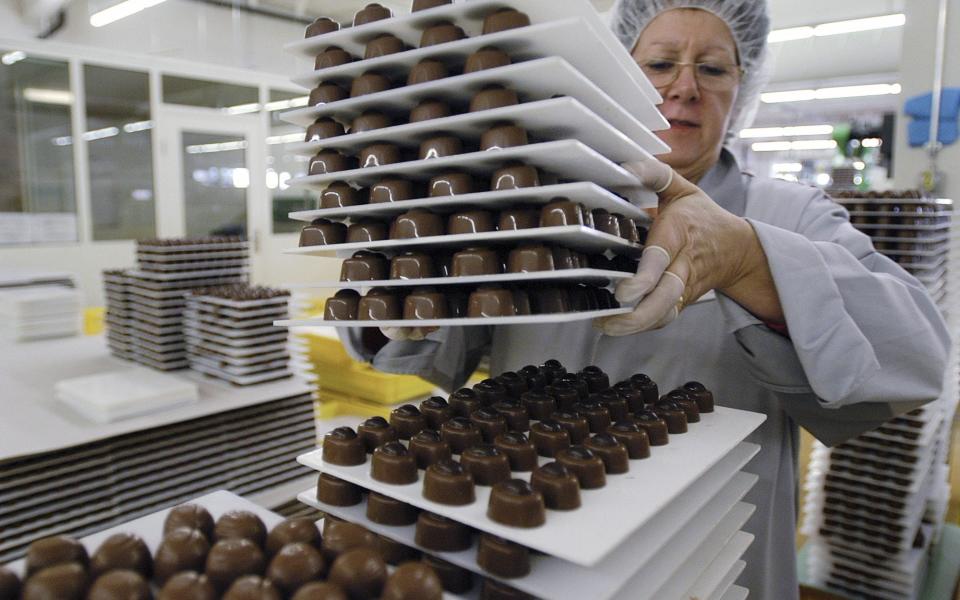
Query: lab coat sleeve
point(866, 342)
point(447, 357)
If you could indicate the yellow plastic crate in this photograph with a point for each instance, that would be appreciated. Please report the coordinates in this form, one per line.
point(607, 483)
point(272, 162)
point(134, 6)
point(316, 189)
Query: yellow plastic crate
point(93, 320)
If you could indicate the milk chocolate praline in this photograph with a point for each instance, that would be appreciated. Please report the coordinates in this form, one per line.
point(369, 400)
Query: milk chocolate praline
point(369, 83)
point(293, 529)
point(253, 587)
point(326, 162)
point(519, 450)
point(392, 189)
point(370, 13)
point(447, 482)
point(578, 427)
point(337, 492)
point(323, 129)
point(342, 306)
point(332, 57)
point(120, 583)
point(360, 572)
point(395, 553)
point(516, 415)
point(427, 70)
point(513, 502)
point(549, 437)
point(188, 585)
point(654, 425)
point(514, 176)
point(473, 261)
point(379, 155)
point(342, 446)
point(614, 455)
point(392, 463)
point(232, 558)
point(441, 33)
point(493, 97)
point(559, 486)
point(383, 45)
point(56, 550)
point(460, 433)
point(589, 468)
point(615, 403)
point(416, 223)
point(407, 420)
point(321, 26)
point(390, 511)
point(240, 524)
point(412, 581)
point(634, 439)
point(429, 109)
point(419, 5)
point(380, 304)
point(502, 558)
point(464, 401)
point(376, 431)
point(455, 579)
point(364, 266)
point(441, 534)
point(325, 93)
point(632, 397)
point(470, 221)
point(646, 386)
point(673, 414)
point(702, 396)
point(503, 135)
point(369, 121)
point(63, 581)
point(122, 551)
point(686, 402)
point(341, 536)
point(490, 422)
point(180, 550)
point(320, 590)
point(294, 565)
point(486, 463)
point(503, 19)
point(486, 58)
point(428, 448)
point(539, 404)
point(491, 301)
point(451, 184)
point(339, 195)
point(436, 411)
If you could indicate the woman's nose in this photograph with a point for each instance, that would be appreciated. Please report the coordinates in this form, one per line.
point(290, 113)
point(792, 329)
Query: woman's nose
point(685, 88)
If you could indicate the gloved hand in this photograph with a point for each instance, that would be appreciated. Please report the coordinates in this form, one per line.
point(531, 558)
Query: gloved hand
point(402, 334)
point(692, 247)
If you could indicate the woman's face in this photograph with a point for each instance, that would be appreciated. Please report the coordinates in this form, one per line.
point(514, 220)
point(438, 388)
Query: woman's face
point(698, 117)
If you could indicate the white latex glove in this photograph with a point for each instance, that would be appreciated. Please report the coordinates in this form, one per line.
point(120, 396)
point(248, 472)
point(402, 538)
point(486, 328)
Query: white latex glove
point(402, 334)
point(692, 247)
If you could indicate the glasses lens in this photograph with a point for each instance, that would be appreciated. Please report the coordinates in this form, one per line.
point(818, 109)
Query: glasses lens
point(710, 76)
point(716, 76)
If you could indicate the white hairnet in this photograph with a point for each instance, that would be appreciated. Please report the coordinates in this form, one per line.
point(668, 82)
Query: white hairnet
point(748, 23)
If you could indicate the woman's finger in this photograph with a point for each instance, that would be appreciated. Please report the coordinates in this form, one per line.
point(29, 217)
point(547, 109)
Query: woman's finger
point(653, 262)
point(653, 311)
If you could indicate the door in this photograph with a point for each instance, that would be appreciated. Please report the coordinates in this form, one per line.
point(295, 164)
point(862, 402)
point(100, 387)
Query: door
point(211, 181)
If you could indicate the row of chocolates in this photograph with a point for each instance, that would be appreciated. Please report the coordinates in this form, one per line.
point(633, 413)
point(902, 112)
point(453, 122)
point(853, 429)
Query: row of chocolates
point(487, 301)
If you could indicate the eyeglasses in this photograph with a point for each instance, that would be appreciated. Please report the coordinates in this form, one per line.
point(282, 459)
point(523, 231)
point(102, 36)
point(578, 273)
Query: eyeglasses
point(713, 76)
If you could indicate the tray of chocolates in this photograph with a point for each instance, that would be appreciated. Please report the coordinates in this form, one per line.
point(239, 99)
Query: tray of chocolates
point(480, 24)
point(707, 503)
point(220, 545)
point(190, 274)
point(507, 126)
point(594, 276)
point(511, 508)
point(723, 570)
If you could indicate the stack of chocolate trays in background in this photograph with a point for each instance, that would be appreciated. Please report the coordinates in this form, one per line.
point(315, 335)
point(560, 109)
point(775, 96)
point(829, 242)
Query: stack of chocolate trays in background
point(511, 479)
point(230, 333)
point(166, 271)
point(119, 314)
point(454, 143)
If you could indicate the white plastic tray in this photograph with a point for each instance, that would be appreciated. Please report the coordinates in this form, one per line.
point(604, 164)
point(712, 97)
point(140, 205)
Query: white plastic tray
point(589, 194)
point(570, 535)
point(567, 317)
point(215, 310)
point(239, 361)
point(229, 323)
point(236, 353)
point(549, 119)
point(177, 277)
point(184, 248)
point(736, 593)
point(258, 341)
point(242, 379)
point(175, 266)
point(570, 158)
point(596, 45)
point(242, 369)
point(109, 397)
point(574, 237)
point(712, 577)
point(727, 581)
point(187, 256)
point(598, 276)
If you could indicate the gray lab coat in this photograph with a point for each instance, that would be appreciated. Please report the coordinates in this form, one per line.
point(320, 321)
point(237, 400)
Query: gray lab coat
point(865, 343)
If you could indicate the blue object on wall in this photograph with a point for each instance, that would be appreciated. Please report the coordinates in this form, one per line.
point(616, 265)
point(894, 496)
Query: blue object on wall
point(920, 107)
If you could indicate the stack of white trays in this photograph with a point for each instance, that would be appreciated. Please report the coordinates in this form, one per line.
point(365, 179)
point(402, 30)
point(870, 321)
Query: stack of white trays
point(119, 315)
point(39, 312)
point(230, 335)
point(671, 527)
point(586, 108)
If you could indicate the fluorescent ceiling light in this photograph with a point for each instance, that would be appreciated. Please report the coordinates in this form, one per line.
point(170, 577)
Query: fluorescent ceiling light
point(836, 28)
point(137, 126)
point(285, 139)
point(795, 145)
point(791, 131)
point(13, 57)
point(47, 96)
point(217, 147)
point(120, 11)
point(99, 134)
point(241, 109)
point(871, 142)
point(847, 91)
point(65, 140)
point(789, 167)
point(283, 104)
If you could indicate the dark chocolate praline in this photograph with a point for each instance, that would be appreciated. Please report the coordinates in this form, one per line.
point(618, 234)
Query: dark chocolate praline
point(486, 463)
point(589, 468)
point(392, 463)
point(490, 391)
point(596, 379)
point(407, 420)
point(635, 439)
point(502, 558)
point(55, 550)
point(549, 437)
point(632, 396)
point(519, 450)
point(564, 394)
point(559, 486)
point(342, 446)
point(577, 426)
point(460, 433)
point(9, 585)
point(616, 459)
point(427, 448)
point(539, 405)
point(673, 414)
point(441, 534)
point(654, 425)
point(615, 402)
point(338, 492)
point(240, 524)
point(122, 551)
point(361, 572)
point(701, 395)
point(518, 419)
point(513, 502)
point(191, 516)
point(578, 383)
point(491, 589)
point(376, 431)
point(464, 401)
point(294, 565)
point(180, 550)
point(436, 411)
point(489, 421)
point(646, 386)
point(596, 414)
point(686, 402)
point(447, 482)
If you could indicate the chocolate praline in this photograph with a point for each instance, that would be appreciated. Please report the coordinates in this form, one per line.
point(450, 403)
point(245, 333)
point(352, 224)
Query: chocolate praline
point(549, 437)
point(514, 383)
point(294, 565)
point(56, 550)
point(383, 45)
point(407, 420)
point(364, 266)
point(342, 446)
point(441, 33)
point(514, 176)
point(412, 581)
point(369, 121)
point(490, 422)
point(390, 511)
point(427, 70)
point(63, 581)
point(188, 585)
point(491, 589)
point(376, 431)
point(503, 135)
point(416, 223)
point(553, 369)
point(673, 414)
point(322, 232)
point(589, 468)
point(654, 425)
point(489, 301)
point(338, 492)
point(539, 405)
point(701, 395)
point(321, 26)
point(493, 97)
point(331, 57)
point(252, 587)
point(392, 189)
point(342, 306)
point(614, 455)
point(436, 411)
point(341, 536)
point(369, 83)
point(379, 155)
point(645, 386)
point(180, 550)
point(577, 382)
point(491, 391)
point(686, 402)
point(518, 419)
point(596, 379)
point(395, 553)
point(293, 529)
point(486, 463)
point(519, 450)
point(339, 195)
point(460, 433)
point(596, 414)
point(631, 396)
point(559, 486)
point(370, 13)
point(233, 558)
point(513, 502)
point(464, 401)
point(240, 524)
point(360, 572)
point(635, 439)
point(122, 551)
point(419, 5)
point(323, 129)
point(503, 19)
point(429, 109)
point(502, 558)
point(615, 403)
point(435, 532)
point(447, 482)
point(427, 448)
point(120, 583)
point(576, 425)
point(317, 590)
point(455, 579)
point(392, 463)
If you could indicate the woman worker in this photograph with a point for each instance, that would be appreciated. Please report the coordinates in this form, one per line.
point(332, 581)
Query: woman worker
point(810, 325)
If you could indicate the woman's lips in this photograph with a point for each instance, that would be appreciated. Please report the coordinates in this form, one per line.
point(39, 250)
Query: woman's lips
point(682, 124)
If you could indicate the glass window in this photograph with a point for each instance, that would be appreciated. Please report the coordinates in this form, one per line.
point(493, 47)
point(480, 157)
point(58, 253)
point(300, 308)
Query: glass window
point(119, 148)
point(37, 201)
point(283, 165)
point(232, 99)
point(215, 182)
